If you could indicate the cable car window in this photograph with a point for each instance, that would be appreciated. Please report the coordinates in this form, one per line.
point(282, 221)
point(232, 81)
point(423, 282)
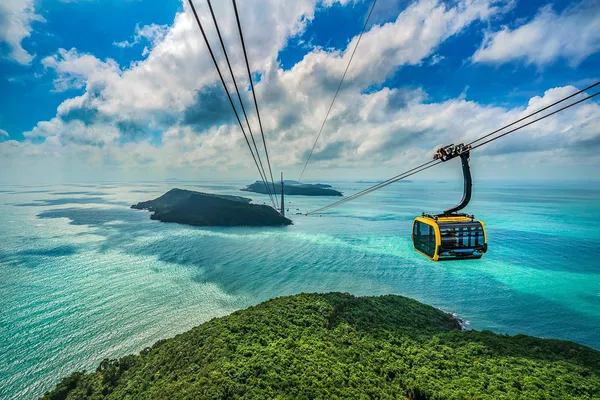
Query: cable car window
point(461, 235)
point(424, 238)
point(427, 238)
point(418, 237)
point(478, 236)
point(448, 236)
point(430, 241)
point(465, 235)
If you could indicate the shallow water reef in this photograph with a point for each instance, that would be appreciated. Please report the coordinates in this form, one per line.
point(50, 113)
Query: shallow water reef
point(336, 345)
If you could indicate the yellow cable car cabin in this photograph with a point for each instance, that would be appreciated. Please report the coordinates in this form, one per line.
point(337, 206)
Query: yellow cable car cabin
point(451, 236)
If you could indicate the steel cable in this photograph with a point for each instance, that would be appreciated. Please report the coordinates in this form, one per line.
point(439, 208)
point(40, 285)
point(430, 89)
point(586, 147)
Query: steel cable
point(237, 17)
point(338, 90)
point(240, 100)
point(433, 163)
point(227, 92)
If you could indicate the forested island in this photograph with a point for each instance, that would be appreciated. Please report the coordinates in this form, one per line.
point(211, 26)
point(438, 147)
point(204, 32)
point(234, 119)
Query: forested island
point(205, 209)
point(294, 188)
point(339, 346)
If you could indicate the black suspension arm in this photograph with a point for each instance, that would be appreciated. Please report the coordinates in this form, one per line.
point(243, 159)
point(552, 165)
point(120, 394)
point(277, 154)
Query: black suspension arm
point(464, 158)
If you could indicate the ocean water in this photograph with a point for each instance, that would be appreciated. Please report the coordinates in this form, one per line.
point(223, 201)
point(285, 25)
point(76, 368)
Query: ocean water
point(83, 277)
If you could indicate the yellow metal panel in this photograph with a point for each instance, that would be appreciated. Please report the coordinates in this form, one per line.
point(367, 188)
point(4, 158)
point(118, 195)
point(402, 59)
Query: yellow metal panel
point(484, 236)
point(484, 233)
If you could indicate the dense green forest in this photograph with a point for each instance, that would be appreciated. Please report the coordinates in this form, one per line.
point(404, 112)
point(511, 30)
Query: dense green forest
point(339, 346)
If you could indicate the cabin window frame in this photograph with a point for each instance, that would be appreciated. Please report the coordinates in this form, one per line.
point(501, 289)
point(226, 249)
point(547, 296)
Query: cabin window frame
point(424, 241)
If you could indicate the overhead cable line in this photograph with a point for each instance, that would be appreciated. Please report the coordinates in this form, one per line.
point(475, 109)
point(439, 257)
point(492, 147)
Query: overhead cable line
point(212, 13)
point(227, 92)
point(396, 178)
point(537, 119)
point(536, 112)
point(338, 89)
point(237, 17)
point(433, 163)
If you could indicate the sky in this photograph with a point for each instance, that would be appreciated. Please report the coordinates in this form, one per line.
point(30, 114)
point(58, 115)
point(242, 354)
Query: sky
point(123, 90)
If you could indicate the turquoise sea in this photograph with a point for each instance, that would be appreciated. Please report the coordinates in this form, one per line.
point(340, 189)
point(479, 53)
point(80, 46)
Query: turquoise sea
point(83, 277)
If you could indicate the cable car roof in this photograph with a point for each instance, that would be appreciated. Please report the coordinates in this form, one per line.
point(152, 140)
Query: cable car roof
point(447, 218)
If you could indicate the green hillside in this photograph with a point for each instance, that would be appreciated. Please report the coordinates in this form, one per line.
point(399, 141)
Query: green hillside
point(339, 346)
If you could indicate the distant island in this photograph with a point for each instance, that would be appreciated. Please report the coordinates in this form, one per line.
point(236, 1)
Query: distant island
point(205, 209)
point(321, 346)
point(294, 188)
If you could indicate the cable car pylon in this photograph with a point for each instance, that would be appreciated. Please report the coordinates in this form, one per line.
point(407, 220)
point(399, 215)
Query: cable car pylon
point(282, 212)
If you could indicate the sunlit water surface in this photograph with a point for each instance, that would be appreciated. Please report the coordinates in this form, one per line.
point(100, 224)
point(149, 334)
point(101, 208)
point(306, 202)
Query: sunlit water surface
point(83, 277)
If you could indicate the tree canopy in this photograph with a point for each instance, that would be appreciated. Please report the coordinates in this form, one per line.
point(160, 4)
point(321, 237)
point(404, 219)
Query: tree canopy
point(339, 346)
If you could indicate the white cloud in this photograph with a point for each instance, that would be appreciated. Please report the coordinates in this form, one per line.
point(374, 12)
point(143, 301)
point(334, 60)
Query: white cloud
point(306, 90)
point(173, 96)
point(4, 133)
point(436, 59)
point(16, 17)
point(412, 37)
point(178, 64)
point(75, 70)
point(152, 33)
point(382, 133)
point(573, 35)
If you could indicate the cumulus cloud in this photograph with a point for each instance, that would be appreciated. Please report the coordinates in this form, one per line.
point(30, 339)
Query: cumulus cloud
point(383, 133)
point(168, 112)
point(567, 131)
point(179, 65)
point(4, 133)
point(75, 70)
point(572, 35)
point(413, 36)
point(16, 17)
